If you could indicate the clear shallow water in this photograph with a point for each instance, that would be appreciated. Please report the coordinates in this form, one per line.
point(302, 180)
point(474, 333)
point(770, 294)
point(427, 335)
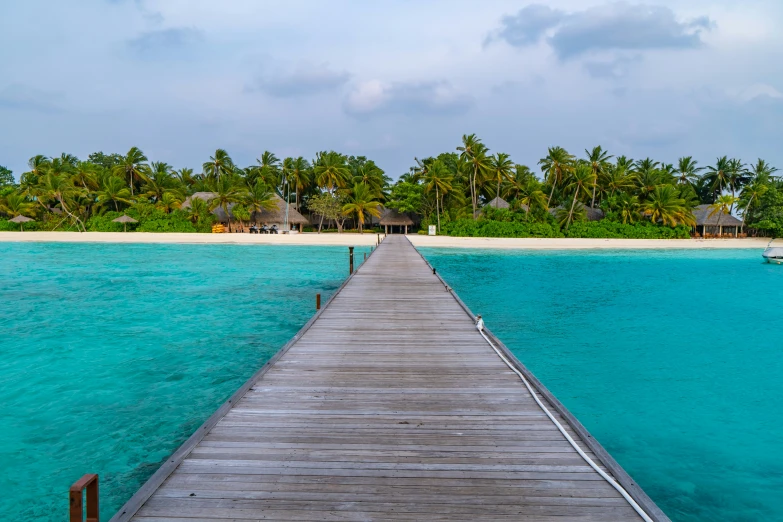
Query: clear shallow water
point(672, 359)
point(112, 355)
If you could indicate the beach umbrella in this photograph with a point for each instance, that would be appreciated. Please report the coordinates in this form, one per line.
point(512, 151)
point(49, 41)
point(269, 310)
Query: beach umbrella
point(21, 220)
point(124, 220)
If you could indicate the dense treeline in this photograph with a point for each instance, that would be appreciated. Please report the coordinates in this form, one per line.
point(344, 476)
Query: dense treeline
point(67, 193)
point(636, 198)
point(648, 197)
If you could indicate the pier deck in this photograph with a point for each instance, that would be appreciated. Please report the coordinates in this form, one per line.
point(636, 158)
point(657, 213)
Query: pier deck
point(389, 406)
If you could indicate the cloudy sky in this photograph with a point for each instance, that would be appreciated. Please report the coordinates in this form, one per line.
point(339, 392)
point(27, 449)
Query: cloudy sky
point(390, 79)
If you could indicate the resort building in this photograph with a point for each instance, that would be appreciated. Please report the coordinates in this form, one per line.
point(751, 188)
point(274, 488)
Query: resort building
point(710, 223)
point(498, 203)
point(273, 217)
point(390, 219)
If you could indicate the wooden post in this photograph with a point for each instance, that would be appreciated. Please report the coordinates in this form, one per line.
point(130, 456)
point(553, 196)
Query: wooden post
point(350, 255)
point(89, 481)
point(365, 256)
point(317, 301)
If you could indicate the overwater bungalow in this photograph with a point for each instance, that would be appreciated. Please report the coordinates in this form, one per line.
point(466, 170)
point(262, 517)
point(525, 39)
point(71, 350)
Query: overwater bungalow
point(273, 217)
point(710, 223)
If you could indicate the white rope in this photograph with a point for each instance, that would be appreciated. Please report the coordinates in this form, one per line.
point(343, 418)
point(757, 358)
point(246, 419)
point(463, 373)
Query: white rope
point(610, 480)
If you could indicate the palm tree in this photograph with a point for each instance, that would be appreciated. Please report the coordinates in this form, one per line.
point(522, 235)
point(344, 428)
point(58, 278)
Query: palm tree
point(134, 166)
point(114, 191)
point(198, 210)
point(687, 171)
point(370, 175)
point(556, 166)
point(218, 165)
point(500, 169)
point(628, 207)
point(301, 177)
point(599, 162)
point(331, 171)
point(751, 194)
point(185, 176)
point(762, 168)
point(227, 191)
point(532, 196)
point(60, 189)
point(581, 182)
point(474, 153)
point(361, 202)
point(438, 178)
point(169, 201)
point(85, 173)
point(718, 176)
point(737, 175)
point(722, 206)
point(664, 205)
point(16, 205)
point(269, 169)
point(618, 178)
point(259, 197)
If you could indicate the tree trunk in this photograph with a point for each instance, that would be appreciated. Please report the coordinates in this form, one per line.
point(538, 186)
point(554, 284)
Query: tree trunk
point(497, 195)
point(472, 184)
point(320, 223)
point(595, 182)
point(571, 212)
point(437, 206)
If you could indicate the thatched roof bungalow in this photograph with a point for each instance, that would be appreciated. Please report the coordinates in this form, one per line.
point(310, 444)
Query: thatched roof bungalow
point(275, 216)
point(498, 203)
point(390, 218)
point(709, 222)
point(592, 214)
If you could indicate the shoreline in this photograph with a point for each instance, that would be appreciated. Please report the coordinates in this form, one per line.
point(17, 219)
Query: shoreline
point(369, 239)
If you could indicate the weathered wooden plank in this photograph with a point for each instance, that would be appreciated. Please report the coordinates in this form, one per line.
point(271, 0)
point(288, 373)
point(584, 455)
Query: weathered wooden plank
point(389, 405)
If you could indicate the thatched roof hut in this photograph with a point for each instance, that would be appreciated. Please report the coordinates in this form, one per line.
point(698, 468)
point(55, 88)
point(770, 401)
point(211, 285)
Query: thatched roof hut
point(392, 218)
point(498, 203)
point(716, 223)
point(275, 216)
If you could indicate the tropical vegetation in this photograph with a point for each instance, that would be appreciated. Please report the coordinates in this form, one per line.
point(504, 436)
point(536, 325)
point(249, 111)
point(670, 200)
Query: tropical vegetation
point(592, 194)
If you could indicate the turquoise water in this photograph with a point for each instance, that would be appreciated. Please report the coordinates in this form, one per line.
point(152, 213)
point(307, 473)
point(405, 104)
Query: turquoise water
point(672, 359)
point(112, 355)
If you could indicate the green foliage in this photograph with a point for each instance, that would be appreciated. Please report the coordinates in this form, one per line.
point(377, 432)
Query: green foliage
point(492, 228)
point(6, 177)
point(768, 215)
point(150, 219)
point(406, 197)
point(610, 229)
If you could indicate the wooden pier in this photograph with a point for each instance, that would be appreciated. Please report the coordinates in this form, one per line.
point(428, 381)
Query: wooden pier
point(388, 405)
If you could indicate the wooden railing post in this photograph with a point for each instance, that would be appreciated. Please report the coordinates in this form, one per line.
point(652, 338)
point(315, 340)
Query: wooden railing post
point(317, 301)
point(90, 482)
point(350, 255)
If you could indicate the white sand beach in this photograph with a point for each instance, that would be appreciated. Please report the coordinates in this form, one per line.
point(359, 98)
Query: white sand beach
point(369, 239)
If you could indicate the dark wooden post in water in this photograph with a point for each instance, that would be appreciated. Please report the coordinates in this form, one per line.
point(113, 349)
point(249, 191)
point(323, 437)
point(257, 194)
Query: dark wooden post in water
point(317, 301)
point(350, 255)
point(365, 256)
point(89, 481)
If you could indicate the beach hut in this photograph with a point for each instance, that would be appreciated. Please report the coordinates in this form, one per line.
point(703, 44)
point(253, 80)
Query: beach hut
point(713, 225)
point(124, 220)
point(498, 203)
point(390, 218)
point(275, 216)
point(21, 220)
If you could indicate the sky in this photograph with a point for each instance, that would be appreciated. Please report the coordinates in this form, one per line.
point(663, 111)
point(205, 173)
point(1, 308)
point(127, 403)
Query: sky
point(390, 80)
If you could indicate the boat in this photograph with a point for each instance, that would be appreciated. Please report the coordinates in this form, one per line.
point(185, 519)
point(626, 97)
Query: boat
point(773, 254)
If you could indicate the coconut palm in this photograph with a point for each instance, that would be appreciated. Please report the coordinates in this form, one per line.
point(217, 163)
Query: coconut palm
point(665, 206)
point(228, 190)
point(269, 169)
point(500, 169)
point(532, 196)
point(752, 193)
point(474, 154)
point(628, 207)
point(718, 175)
point(331, 170)
point(361, 202)
point(581, 183)
point(113, 191)
point(722, 207)
point(599, 163)
point(219, 165)
point(762, 170)
point(687, 172)
point(438, 178)
point(259, 197)
point(300, 176)
point(15, 204)
point(85, 174)
point(185, 177)
point(170, 200)
point(737, 175)
point(617, 178)
point(133, 166)
point(198, 210)
point(61, 190)
point(370, 175)
point(556, 166)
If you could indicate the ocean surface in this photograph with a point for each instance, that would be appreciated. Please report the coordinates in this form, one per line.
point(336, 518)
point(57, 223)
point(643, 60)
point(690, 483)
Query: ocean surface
point(112, 355)
point(672, 359)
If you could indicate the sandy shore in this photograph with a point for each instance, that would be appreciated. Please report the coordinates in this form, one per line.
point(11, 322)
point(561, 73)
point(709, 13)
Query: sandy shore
point(369, 239)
